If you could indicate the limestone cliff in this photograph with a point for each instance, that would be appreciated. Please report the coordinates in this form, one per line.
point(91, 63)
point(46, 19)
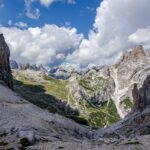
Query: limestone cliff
point(5, 71)
point(141, 96)
point(131, 69)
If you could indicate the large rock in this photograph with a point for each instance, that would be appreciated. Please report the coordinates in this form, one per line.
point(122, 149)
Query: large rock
point(5, 71)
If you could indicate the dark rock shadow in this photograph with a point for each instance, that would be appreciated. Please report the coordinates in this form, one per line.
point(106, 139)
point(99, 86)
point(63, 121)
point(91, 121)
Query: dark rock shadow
point(37, 95)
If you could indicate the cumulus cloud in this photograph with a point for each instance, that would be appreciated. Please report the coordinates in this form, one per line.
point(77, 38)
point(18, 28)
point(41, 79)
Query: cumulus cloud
point(19, 24)
point(2, 5)
point(10, 22)
point(115, 21)
point(48, 45)
point(33, 13)
point(71, 2)
point(141, 36)
point(49, 2)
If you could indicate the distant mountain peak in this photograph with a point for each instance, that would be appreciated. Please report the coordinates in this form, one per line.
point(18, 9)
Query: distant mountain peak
point(136, 54)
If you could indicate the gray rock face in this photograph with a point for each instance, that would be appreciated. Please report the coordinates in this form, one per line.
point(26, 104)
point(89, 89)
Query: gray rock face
point(25, 125)
point(63, 71)
point(5, 72)
point(118, 80)
point(21, 122)
point(141, 96)
point(95, 86)
point(32, 67)
point(133, 67)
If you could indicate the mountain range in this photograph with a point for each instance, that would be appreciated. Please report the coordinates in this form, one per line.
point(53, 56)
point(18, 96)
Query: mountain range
point(90, 94)
point(101, 107)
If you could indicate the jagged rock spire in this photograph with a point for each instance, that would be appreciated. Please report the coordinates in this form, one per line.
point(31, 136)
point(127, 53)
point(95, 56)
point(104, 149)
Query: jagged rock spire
point(5, 71)
point(141, 96)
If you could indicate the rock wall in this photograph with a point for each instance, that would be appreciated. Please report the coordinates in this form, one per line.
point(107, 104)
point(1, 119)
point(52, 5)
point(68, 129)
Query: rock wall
point(141, 96)
point(5, 71)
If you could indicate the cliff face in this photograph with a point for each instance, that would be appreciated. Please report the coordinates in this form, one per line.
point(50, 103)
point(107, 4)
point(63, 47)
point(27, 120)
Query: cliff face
point(5, 71)
point(141, 96)
point(131, 69)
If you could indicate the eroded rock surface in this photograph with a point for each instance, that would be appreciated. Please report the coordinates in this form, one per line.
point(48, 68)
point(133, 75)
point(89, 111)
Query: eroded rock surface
point(133, 68)
point(141, 96)
point(5, 71)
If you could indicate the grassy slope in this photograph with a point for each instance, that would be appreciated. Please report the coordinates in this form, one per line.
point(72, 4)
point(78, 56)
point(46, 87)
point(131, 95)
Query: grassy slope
point(42, 94)
point(127, 103)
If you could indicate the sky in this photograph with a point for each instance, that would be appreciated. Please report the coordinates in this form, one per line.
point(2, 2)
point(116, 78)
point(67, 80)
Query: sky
point(76, 13)
point(80, 32)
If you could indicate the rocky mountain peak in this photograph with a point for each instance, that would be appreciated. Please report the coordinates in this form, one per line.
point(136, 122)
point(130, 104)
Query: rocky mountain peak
point(5, 71)
point(137, 53)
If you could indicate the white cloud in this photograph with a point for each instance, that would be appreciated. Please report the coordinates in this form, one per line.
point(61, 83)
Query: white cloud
point(90, 8)
point(34, 13)
point(21, 24)
point(10, 22)
point(71, 2)
point(115, 21)
point(67, 23)
point(141, 36)
point(46, 45)
point(2, 5)
point(47, 2)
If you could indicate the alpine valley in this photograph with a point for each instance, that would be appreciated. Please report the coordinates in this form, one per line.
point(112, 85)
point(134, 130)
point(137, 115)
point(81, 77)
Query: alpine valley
point(98, 108)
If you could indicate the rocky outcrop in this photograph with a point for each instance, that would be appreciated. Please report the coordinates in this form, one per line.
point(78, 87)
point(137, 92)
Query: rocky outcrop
point(135, 127)
point(132, 68)
point(64, 71)
point(133, 132)
point(5, 71)
point(95, 86)
point(32, 67)
point(141, 96)
point(137, 53)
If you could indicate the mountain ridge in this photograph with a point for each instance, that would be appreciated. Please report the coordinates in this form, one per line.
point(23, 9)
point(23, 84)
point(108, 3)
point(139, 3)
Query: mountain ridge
point(26, 126)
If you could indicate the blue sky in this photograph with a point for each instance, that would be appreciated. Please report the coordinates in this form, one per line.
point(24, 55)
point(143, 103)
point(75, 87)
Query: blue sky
point(80, 15)
point(53, 32)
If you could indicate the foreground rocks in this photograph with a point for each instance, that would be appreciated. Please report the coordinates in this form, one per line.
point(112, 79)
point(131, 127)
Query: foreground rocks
point(23, 124)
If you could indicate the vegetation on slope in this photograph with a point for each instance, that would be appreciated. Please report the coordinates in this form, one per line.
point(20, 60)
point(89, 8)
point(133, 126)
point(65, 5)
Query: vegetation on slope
point(127, 103)
point(104, 115)
point(53, 95)
point(94, 83)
